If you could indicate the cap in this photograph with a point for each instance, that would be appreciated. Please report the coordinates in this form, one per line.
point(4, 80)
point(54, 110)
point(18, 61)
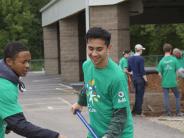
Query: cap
point(139, 46)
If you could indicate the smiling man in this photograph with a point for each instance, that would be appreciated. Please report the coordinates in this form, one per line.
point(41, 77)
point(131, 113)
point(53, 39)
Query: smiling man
point(105, 90)
point(15, 64)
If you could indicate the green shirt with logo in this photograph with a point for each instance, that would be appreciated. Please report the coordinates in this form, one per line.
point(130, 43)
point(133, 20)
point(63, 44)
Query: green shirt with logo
point(168, 67)
point(8, 102)
point(106, 89)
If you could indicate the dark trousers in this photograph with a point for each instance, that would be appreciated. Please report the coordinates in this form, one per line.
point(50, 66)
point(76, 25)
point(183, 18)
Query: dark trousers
point(139, 85)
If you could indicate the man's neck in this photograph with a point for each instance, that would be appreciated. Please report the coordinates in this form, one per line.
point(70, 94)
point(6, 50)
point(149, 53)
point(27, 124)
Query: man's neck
point(137, 53)
point(167, 53)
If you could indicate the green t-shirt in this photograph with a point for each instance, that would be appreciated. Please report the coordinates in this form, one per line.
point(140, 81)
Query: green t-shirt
point(8, 102)
point(168, 67)
point(106, 90)
point(123, 63)
point(181, 61)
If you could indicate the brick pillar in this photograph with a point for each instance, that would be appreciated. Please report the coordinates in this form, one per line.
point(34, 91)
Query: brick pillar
point(50, 49)
point(69, 49)
point(114, 18)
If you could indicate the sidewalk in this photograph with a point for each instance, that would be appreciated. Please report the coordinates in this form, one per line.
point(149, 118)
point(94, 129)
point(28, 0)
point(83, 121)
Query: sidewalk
point(47, 103)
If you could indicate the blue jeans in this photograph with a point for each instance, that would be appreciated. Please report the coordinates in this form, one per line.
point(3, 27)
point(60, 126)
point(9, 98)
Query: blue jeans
point(166, 99)
point(139, 85)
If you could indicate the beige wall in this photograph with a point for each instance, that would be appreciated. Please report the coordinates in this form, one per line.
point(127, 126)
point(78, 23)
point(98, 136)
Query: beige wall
point(50, 49)
point(69, 49)
point(114, 18)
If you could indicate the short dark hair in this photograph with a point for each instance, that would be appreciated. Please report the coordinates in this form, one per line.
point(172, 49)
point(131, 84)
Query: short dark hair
point(12, 49)
point(126, 51)
point(167, 47)
point(98, 32)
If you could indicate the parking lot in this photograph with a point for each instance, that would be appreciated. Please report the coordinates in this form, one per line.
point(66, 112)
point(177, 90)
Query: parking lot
point(47, 103)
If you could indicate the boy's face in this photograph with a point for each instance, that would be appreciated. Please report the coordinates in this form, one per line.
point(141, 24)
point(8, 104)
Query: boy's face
point(98, 52)
point(20, 64)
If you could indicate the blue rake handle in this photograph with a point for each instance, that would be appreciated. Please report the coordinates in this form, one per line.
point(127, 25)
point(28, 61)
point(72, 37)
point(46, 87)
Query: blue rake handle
point(86, 124)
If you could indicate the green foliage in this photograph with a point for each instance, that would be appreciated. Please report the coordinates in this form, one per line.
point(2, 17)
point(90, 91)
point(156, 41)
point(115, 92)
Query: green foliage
point(20, 20)
point(154, 36)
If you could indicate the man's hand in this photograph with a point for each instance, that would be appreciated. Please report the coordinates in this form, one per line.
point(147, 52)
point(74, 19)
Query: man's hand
point(75, 107)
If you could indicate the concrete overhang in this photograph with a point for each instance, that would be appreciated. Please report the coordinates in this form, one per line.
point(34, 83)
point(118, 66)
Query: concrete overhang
point(59, 9)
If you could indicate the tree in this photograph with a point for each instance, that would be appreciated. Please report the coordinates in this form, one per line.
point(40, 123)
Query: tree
point(20, 20)
point(155, 35)
point(15, 16)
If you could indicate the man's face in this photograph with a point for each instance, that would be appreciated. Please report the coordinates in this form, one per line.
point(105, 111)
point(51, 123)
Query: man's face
point(20, 64)
point(98, 52)
point(127, 55)
point(178, 55)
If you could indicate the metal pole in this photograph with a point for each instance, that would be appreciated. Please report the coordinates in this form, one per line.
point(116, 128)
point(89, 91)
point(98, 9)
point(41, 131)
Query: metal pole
point(87, 14)
point(86, 124)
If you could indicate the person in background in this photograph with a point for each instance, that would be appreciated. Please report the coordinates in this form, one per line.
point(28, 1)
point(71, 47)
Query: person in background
point(180, 57)
point(123, 63)
point(14, 65)
point(105, 90)
point(136, 66)
point(167, 68)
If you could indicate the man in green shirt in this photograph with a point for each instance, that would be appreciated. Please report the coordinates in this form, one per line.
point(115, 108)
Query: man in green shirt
point(180, 57)
point(105, 90)
point(123, 63)
point(167, 68)
point(15, 64)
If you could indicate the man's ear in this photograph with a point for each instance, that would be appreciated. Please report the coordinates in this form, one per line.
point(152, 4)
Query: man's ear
point(9, 61)
point(109, 49)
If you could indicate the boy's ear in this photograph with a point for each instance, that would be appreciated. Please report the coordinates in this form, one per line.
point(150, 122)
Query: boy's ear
point(9, 61)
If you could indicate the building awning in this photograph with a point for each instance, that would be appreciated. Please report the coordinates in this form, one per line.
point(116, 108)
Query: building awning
point(59, 9)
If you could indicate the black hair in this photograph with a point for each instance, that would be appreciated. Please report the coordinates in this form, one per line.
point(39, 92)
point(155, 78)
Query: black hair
point(97, 32)
point(127, 51)
point(12, 49)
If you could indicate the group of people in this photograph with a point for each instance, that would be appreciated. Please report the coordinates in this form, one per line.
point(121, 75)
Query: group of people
point(170, 67)
point(105, 91)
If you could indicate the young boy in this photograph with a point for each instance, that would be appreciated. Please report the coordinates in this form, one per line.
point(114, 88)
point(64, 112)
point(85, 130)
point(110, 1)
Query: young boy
point(105, 92)
point(15, 64)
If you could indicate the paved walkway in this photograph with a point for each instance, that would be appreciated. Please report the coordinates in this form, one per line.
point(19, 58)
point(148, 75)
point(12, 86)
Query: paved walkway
point(47, 103)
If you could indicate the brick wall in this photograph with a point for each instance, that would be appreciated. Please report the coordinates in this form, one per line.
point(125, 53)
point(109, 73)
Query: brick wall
point(50, 49)
point(69, 49)
point(114, 18)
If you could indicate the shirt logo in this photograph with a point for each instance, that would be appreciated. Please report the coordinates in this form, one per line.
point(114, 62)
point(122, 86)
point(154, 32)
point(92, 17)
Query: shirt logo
point(121, 97)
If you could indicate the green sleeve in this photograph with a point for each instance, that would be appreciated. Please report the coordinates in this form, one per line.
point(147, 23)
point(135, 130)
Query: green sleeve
point(82, 98)
point(117, 123)
point(9, 104)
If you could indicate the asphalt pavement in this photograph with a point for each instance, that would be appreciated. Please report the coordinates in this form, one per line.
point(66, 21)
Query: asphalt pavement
point(47, 103)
